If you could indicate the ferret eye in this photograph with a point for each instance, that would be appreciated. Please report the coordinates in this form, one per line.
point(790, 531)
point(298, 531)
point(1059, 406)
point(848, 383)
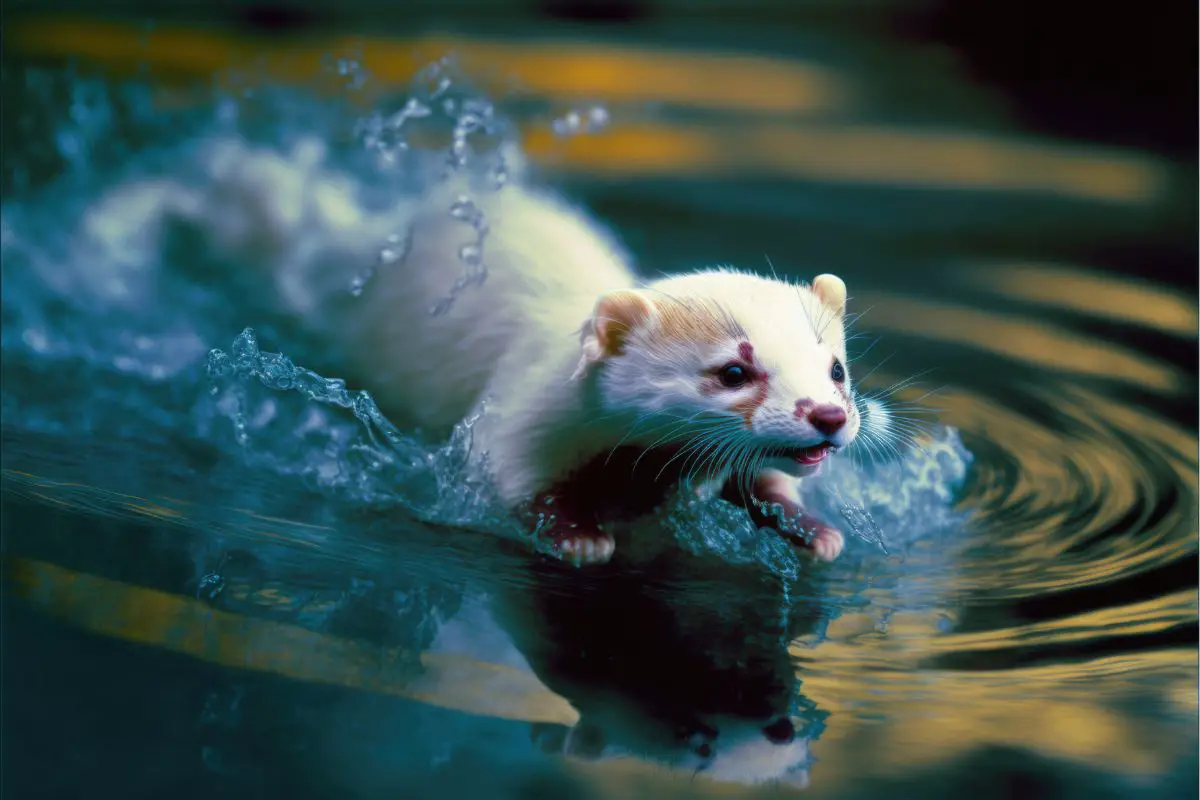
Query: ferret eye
point(733, 375)
point(838, 372)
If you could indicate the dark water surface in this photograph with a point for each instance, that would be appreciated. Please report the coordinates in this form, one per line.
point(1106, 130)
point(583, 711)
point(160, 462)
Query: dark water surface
point(224, 589)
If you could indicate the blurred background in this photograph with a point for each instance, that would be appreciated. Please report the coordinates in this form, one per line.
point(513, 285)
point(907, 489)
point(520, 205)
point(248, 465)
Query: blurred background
point(1010, 186)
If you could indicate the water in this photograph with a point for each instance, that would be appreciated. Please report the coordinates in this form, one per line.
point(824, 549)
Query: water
point(183, 469)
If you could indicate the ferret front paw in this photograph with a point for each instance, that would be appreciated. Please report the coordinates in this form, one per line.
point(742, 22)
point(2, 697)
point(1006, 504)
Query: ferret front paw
point(776, 504)
point(559, 535)
point(825, 543)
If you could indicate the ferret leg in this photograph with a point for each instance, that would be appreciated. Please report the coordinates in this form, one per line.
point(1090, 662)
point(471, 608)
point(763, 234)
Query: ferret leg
point(773, 487)
point(562, 534)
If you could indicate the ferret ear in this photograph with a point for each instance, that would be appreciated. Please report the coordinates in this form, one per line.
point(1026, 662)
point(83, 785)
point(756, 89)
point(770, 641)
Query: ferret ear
point(615, 316)
point(832, 292)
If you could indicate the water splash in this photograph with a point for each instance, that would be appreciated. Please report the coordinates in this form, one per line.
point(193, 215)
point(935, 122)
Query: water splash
point(581, 122)
point(438, 483)
point(440, 99)
point(151, 357)
point(884, 508)
point(471, 254)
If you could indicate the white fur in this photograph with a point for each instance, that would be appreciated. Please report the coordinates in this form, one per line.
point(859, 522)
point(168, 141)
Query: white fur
point(781, 321)
point(515, 339)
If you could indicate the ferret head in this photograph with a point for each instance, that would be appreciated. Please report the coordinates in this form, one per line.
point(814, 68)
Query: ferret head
point(741, 368)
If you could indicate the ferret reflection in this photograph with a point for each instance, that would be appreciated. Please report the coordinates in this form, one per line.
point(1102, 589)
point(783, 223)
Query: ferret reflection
point(686, 667)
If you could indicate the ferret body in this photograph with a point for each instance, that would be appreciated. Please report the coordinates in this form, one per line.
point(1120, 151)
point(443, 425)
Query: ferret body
point(603, 392)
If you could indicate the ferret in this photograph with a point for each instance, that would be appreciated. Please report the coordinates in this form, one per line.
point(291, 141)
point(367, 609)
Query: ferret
point(603, 392)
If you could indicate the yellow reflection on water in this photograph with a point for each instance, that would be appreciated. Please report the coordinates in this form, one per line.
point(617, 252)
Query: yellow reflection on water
point(1068, 710)
point(187, 626)
point(831, 150)
point(930, 716)
point(1078, 289)
point(846, 153)
point(1032, 341)
point(553, 69)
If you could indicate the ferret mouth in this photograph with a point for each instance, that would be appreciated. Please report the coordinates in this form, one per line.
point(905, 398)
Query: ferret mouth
point(811, 456)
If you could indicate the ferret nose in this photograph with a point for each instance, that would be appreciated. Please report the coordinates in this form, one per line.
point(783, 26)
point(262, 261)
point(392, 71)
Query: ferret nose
point(828, 419)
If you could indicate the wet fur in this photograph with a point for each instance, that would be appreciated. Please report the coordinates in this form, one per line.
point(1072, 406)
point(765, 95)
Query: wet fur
point(577, 358)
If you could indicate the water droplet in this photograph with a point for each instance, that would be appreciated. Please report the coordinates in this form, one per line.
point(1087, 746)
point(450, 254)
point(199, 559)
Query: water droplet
point(459, 152)
point(574, 122)
point(211, 586)
point(245, 348)
point(500, 175)
point(471, 254)
point(469, 123)
point(463, 208)
point(359, 283)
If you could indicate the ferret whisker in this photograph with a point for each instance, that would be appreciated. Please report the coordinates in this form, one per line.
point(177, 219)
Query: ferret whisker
point(678, 424)
point(699, 442)
point(906, 382)
point(712, 442)
point(867, 441)
point(807, 313)
point(875, 369)
point(903, 406)
point(703, 462)
point(741, 467)
point(870, 347)
point(852, 319)
point(683, 424)
point(930, 393)
point(832, 318)
point(774, 274)
point(633, 428)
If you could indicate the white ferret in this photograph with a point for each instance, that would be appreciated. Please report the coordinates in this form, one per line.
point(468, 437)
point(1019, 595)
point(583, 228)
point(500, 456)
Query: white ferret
point(603, 392)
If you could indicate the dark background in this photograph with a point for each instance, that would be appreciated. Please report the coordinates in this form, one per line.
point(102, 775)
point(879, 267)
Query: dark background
point(1111, 73)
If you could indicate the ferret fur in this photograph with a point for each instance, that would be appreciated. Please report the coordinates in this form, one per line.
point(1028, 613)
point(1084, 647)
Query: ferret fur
point(576, 357)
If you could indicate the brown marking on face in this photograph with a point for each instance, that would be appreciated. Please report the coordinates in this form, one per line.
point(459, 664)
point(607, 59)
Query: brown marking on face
point(751, 404)
point(759, 380)
point(695, 321)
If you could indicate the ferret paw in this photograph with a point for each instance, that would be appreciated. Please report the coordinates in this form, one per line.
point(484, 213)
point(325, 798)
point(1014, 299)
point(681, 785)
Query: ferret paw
point(821, 541)
point(778, 506)
point(826, 543)
point(579, 546)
